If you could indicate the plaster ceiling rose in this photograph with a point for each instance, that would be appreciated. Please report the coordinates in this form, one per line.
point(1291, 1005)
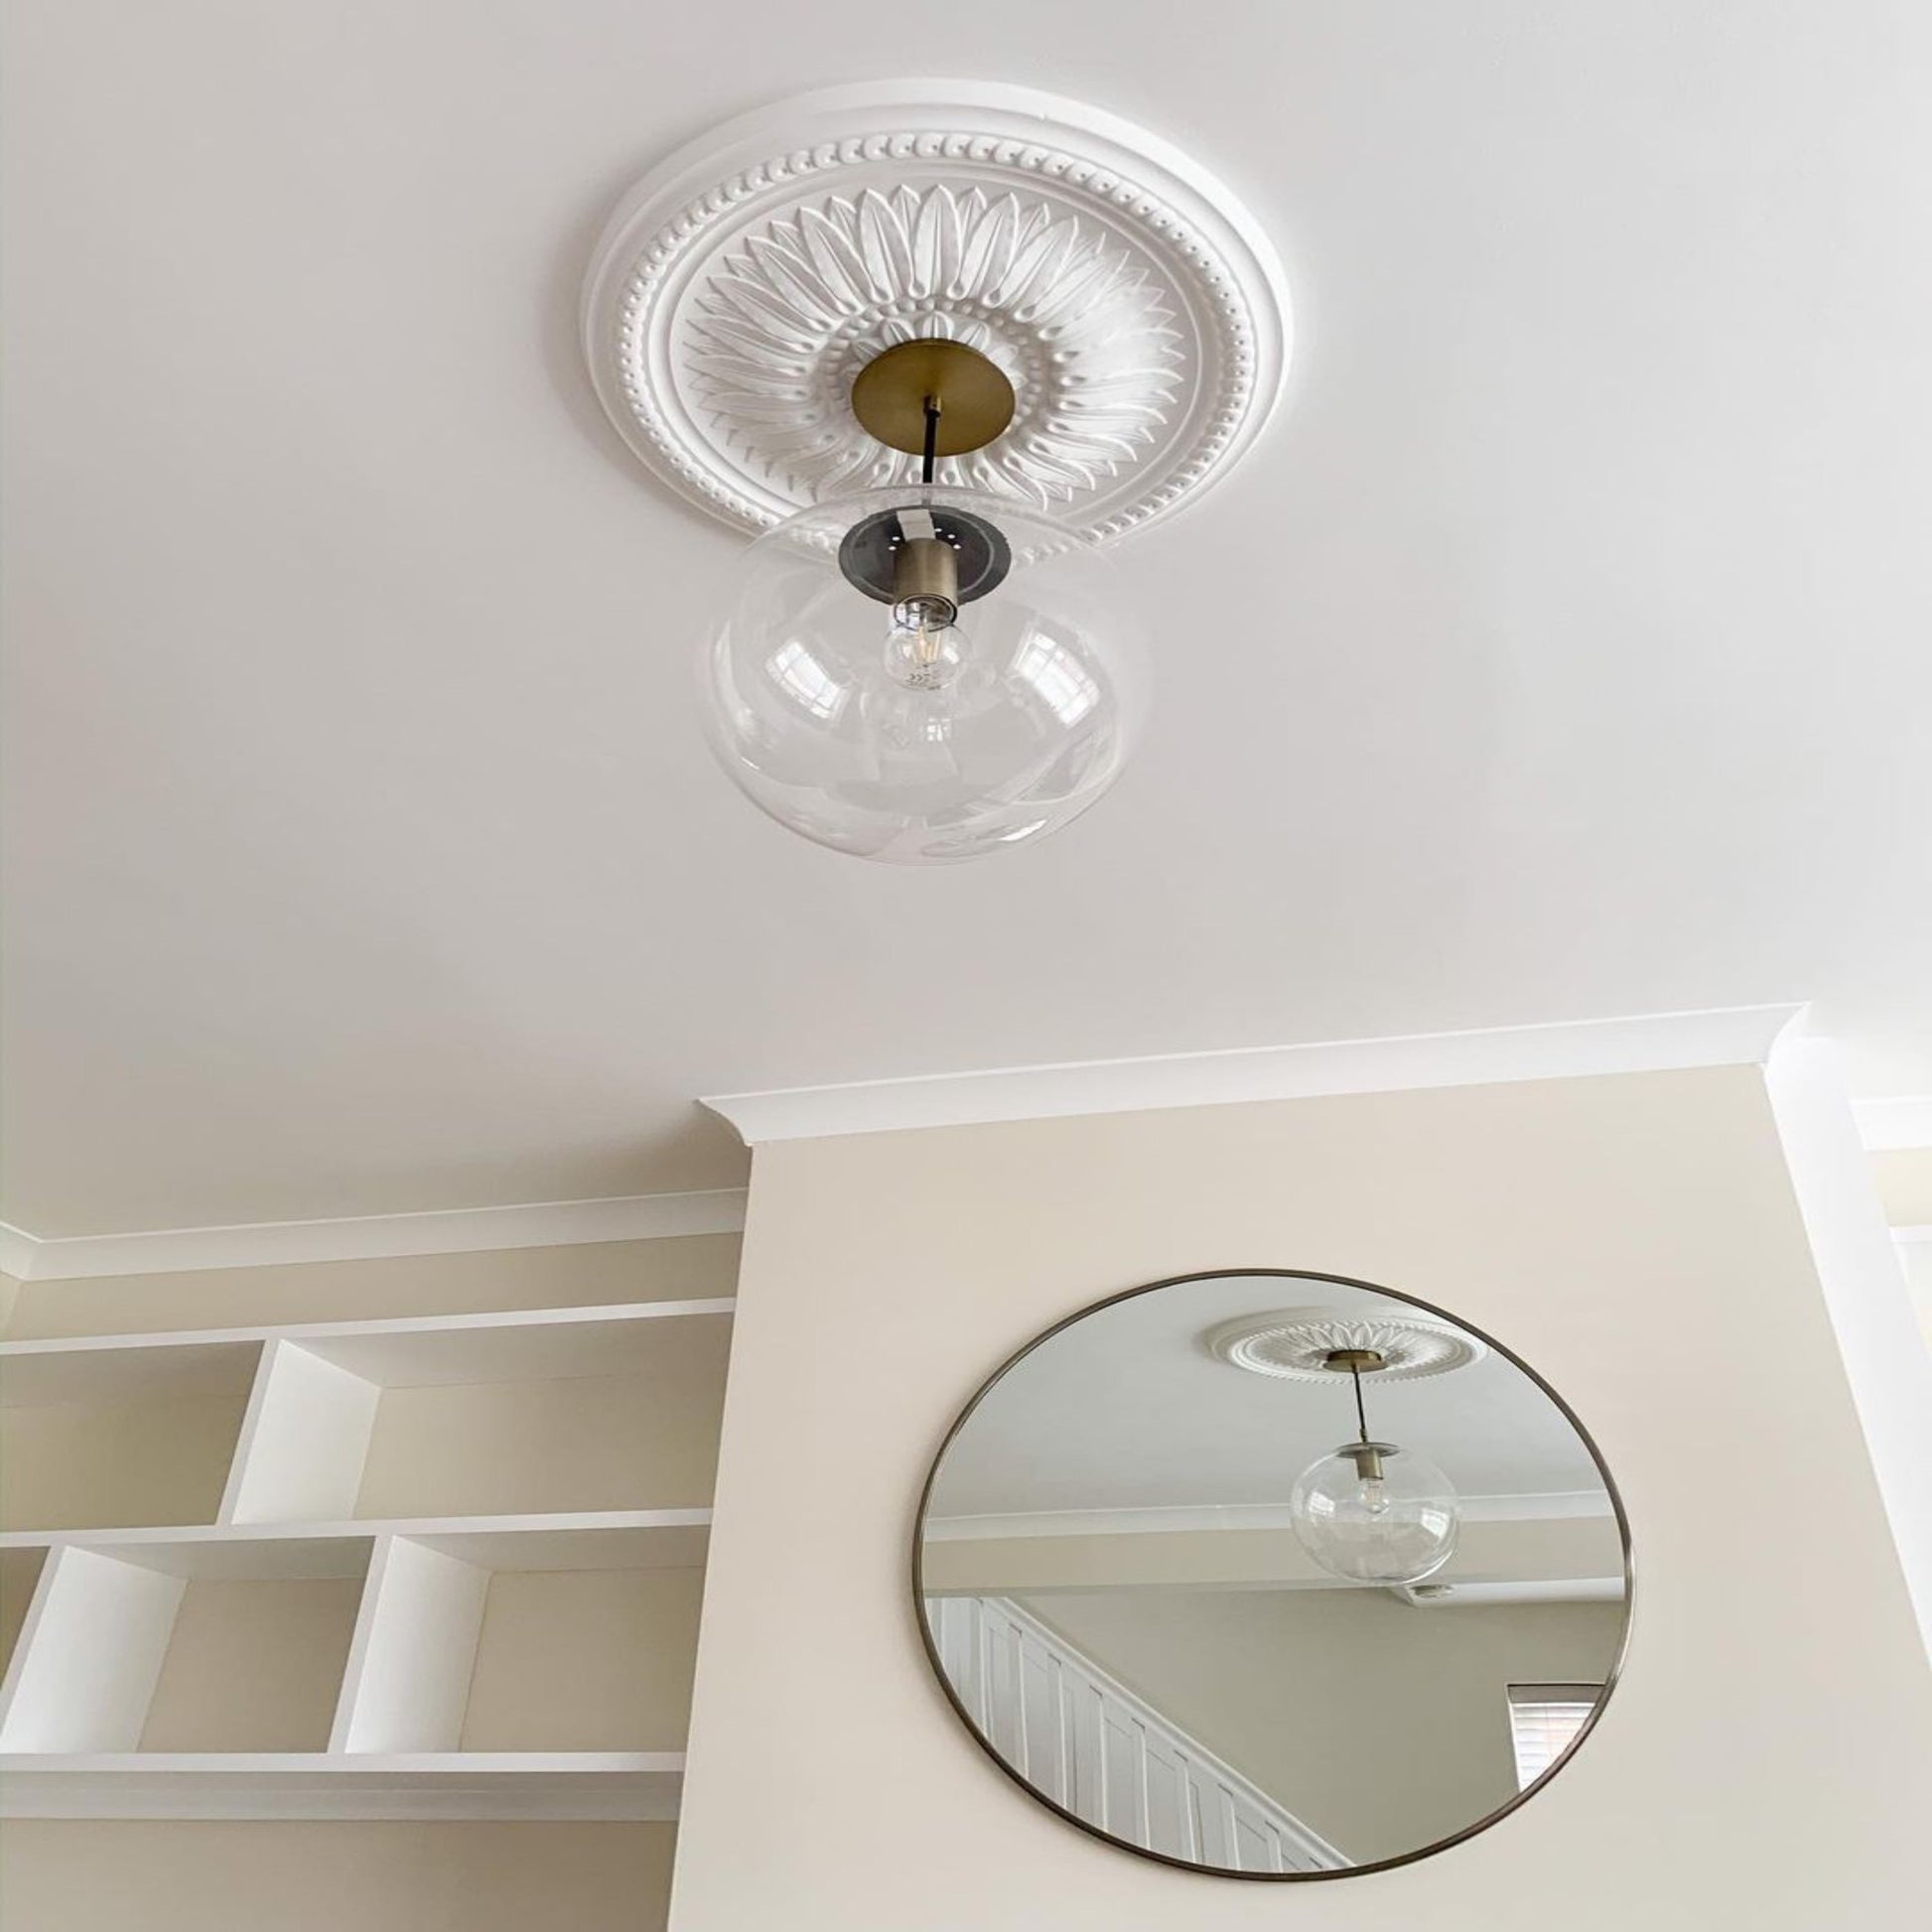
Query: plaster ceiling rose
point(1136, 308)
point(1296, 1343)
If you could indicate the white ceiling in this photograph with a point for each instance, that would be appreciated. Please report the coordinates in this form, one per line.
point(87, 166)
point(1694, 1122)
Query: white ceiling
point(1130, 1410)
point(1562, 651)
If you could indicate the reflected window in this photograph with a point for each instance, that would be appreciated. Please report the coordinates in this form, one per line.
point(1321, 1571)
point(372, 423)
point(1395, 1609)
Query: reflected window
point(805, 680)
point(1064, 684)
point(1544, 1719)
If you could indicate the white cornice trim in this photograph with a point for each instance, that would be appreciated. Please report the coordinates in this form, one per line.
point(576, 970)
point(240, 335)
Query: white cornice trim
point(1733, 1035)
point(1557, 1506)
point(1912, 1236)
point(1894, 1124)
point(1554, 1589)
point(469, 1230)
point(1650, 1042)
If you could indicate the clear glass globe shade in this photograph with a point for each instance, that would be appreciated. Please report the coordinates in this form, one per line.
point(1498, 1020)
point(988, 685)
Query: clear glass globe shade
point(986, 735)
point(1395, 1529)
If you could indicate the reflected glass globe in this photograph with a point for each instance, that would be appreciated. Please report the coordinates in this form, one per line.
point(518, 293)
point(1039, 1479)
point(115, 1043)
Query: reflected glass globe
point(901, 724)
point(1373, 1513)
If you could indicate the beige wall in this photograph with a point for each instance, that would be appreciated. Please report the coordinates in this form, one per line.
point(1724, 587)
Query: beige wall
point(129, 1877)
point(584, 1660)
point(1383, 1726)
point(1768, 1755)
point(253, 1664)
point(20, 1570)
point(82, 1466)
point(647, 1441)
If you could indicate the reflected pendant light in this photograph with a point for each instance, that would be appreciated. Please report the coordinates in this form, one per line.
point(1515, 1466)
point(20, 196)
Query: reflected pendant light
point(935, 344)
point(1375, 1512)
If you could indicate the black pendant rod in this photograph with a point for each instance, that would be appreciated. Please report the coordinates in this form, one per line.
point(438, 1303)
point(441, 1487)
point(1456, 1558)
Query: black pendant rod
point(1361, 1414)
point(931, 439)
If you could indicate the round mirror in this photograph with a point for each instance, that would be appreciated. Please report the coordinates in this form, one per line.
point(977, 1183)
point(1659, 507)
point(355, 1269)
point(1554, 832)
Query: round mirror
point(1273, 1573)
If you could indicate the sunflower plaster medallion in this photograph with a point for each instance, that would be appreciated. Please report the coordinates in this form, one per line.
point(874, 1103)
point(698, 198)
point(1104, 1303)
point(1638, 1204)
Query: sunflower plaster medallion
point(744, 283)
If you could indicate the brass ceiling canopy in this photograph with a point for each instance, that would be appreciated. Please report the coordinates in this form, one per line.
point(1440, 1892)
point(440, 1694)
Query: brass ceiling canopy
point(967, 392)
point(1359, 1360)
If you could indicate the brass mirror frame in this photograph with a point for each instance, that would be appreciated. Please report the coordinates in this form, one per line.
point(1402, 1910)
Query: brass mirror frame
point(979, 1395)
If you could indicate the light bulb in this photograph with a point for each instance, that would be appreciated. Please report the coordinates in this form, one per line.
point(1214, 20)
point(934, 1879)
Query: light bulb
point(925, 654)
point(1374, 1513)
point(1000, 704)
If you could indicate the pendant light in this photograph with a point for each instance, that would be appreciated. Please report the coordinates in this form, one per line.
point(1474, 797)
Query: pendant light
point(919, 673)
point(939, 345)
point(1373, 1512)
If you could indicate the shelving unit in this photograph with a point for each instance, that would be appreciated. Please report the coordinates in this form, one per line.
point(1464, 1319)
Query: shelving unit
point(446, 1568)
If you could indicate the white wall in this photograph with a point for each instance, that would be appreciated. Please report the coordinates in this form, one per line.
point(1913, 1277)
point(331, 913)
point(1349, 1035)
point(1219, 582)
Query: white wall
point(1918, 1274)
point(1904, 1177)
point(1768, 1757)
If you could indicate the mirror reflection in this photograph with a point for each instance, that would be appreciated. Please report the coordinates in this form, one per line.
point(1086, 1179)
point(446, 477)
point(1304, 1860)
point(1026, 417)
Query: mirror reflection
point(1271, 1573)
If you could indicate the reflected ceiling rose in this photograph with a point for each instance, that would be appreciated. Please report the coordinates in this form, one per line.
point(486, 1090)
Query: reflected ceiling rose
point(938, 341)
point(1300, 1344)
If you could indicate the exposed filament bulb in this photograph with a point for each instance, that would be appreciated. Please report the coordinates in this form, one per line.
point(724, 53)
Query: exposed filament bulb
point(925, 648)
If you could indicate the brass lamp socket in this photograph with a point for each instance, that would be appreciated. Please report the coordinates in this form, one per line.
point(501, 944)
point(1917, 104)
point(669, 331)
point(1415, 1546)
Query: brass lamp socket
point(924, 548)
point(1367, 1457)
point(925, 583)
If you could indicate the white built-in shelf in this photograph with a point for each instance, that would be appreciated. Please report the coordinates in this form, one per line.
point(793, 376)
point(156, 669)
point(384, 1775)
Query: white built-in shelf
point(321, 1785)
point(400, 1352)
point(585, 1539)
point(554, 1411)
point(433, 1568)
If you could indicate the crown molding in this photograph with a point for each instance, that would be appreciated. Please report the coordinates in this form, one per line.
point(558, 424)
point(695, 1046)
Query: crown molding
point(1654, 1043)
point(1556, 1589)
point(263, 1244)
point(1896, 1125)
point(1566, 1505)
point(1649, 1042)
